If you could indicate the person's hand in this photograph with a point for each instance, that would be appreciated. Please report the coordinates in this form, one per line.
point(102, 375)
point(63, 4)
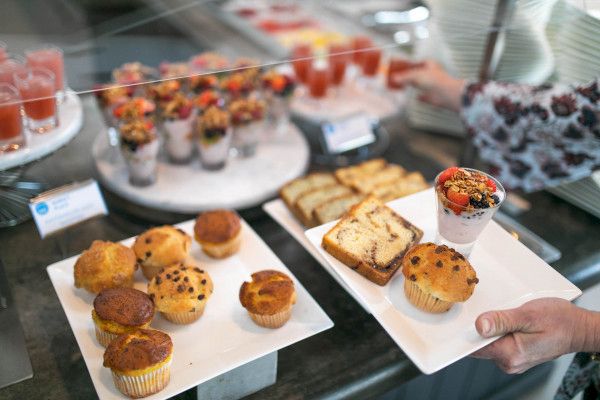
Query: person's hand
point(538, 331)
point(437, 87)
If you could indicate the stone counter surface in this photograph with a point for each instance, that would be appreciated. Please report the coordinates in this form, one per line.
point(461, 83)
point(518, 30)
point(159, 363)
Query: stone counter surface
point(354, 359)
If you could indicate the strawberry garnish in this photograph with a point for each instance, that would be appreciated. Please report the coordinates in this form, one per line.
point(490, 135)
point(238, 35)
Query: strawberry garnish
point(185, 111)
point(491, 184)
point(447, 174)
point(458, 199)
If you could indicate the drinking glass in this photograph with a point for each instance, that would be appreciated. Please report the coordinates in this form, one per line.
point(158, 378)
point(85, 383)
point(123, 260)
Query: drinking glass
point(49, 57)
point(37, 89)
point(301, 61)
point(398, 64)
point(3, 53)
point(11, 65)
point(338, 60)
point(11, 123)
point(318, 80)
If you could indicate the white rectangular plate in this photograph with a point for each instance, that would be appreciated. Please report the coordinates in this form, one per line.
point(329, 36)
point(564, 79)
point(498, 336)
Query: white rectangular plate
point(509, 275)
point(280, 213)
point(224, 338)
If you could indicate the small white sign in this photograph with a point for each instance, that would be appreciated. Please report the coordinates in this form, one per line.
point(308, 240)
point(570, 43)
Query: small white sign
point(66, 206)
point(348, 134)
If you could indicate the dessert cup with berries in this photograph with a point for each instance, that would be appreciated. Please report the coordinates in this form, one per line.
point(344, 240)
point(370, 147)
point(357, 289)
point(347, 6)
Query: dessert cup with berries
point(178, 116)
point(279, 89)
point(467, 199)
point(139, 146)
point(214, 138)
point(247, 117)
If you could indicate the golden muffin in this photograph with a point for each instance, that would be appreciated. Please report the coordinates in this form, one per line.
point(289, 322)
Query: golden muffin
point(160, 247)
point(218, 232)
point(268, 298)
point(436, 277)
point(105, 265)
point(140, 362)
point(120, 310)
point(180, 292)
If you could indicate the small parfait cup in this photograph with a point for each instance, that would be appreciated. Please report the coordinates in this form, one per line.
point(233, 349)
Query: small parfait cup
point(37, 89)
point(459, 226)
point(213, 147)
point(141, 157)
point(12, 136)
point(246, 137)
point(179, 138)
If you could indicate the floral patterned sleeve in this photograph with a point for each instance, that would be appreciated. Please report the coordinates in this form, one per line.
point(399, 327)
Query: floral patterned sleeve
point(535, 136)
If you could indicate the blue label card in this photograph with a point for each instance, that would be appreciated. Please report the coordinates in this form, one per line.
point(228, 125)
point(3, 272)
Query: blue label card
point(66, 206)
point(347, 134)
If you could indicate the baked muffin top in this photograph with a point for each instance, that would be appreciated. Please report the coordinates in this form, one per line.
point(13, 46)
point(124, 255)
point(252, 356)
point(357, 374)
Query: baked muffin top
point(105, 265)
point(440, 271)
point(217, 226)
point(162, 246)
point(269, 293)
point(138, 350)
point(125, 306)
point(181, 287)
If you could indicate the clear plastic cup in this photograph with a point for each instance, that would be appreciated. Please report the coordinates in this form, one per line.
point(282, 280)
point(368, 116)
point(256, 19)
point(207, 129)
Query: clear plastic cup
point(36, 86)
point(11, 124)
point(459, 226)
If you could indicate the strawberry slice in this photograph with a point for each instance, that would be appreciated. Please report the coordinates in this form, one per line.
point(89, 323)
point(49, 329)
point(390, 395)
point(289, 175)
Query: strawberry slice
point(491, 184)
point(185, 111)
point(459, 200)
point(447, 174)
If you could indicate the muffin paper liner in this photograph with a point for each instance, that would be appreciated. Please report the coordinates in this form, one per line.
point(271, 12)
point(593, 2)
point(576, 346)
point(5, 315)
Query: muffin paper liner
point(143, 385)
point(422, 300)
point(104, 338)
point(183, 318)
point(272, 321)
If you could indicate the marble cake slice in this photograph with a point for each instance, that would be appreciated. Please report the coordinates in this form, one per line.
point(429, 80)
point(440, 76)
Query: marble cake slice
point(372, 239)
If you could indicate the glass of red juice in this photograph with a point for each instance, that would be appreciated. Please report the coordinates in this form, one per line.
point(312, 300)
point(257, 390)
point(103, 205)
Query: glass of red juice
point(3, 53)
point(11, 65)
point(398, 64)
point(11, 123)
point(318, 80)
point(50, 57)
point(37, 89)
point(371, 59)
point(359, 43)
point(301, 61)
point(338, 60)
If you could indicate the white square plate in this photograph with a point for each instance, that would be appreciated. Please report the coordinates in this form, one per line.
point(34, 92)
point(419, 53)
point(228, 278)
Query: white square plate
point(280, 213)
point(222, 339)
point(509, 275)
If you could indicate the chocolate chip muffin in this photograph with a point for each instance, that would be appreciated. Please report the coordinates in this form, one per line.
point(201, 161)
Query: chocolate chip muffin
point(436, 277)
point(218, 232)
point(269, 298)
point(140, 362)
point(180, 292)
point(160, 247)
point(105, 265)
point(120, 310)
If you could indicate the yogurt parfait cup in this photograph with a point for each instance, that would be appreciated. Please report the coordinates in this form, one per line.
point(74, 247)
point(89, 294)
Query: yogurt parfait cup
point(178, 117)
point(139, 147)
point(467, 199)
point(214, 138)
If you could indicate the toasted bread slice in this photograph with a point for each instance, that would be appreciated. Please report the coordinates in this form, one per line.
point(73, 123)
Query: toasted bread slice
point(336, 208)
point(387, 175)
point(292, 190)
point(408, 184)
point(351, 174)
point(308, 201)
point(371, 239)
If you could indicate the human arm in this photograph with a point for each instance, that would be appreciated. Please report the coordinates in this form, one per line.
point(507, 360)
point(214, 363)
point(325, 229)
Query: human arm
point(536, 332)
